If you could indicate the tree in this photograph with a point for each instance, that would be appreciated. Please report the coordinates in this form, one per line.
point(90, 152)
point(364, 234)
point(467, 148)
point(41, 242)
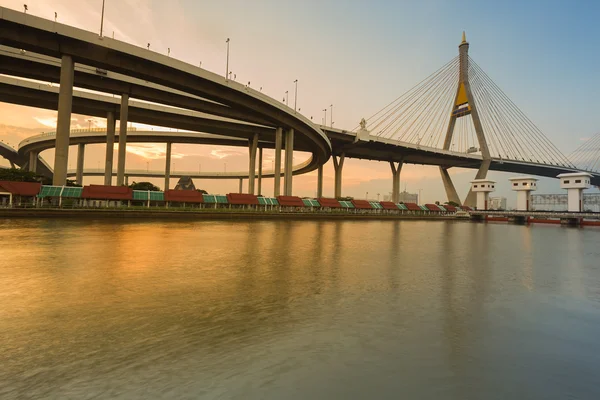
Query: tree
point(144, 186)
point(202, 191)
point(453, 203)
point(20, 175)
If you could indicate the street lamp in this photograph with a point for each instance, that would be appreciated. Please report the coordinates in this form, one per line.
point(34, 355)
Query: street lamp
point(377, 196)
point(331, 116)
point(227, 65)
point(55, 16)
point(168, 52)
point(295, 94)
point(286, 97)
point(102, 20)
point(419, 199)
point(25, 8)
point(325, 120)
point(367, 196)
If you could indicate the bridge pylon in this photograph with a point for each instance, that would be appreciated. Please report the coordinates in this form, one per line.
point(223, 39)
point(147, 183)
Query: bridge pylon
point(464, 104)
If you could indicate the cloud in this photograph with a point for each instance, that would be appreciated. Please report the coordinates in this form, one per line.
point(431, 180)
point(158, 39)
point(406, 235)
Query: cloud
point(224, 153)
point(151, 151)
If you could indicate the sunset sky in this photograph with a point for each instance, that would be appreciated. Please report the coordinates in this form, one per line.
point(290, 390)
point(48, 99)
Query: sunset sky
point(356, 55)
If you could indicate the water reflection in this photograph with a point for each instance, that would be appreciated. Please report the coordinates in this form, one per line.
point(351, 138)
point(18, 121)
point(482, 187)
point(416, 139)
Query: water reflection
point(296, 309)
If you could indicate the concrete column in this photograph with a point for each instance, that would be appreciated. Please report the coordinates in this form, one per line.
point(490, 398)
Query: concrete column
point(338, 165)
point(63, 122)
point(110, 144)
point(320, 181)
point(451, 193)
point(396, 169)
point(33, 158)
point(168, 166)
point(277, 172)
point(260, 167)
point(252, 163)
point(80, 160)
point(122, 138)
point(289, 161)
point(471, 200)
point(241, 185)
point(126, 180)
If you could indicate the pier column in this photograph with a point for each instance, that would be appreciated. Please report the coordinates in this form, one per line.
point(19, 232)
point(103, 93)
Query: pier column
point(122, 138)
point(451, 193)
point(110, 145)
point(63, 122)
point(289, 161)
point(396, 169)
point(33, 158)
point(253, 145)
point(338, 165)
point(481, 174)
point(277, 171)
point(168, 166)
point(80, 160)
point(320, 181)
point(523, 185)
point(260, 168)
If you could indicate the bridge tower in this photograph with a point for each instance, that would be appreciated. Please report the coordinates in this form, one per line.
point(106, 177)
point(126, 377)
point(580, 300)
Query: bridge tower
point(464, 104)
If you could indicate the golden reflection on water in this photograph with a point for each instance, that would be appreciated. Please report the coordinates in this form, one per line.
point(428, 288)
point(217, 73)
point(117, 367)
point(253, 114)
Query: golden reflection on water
point(293, 309)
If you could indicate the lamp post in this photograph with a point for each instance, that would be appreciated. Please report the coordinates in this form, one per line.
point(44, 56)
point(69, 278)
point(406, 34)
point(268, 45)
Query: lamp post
point(377, 196)
point(102, 19)
point(325, 120)
point(55, 16)
point(295, 94)
point(367, 196)
point(227, 65)
point(25, 8)
point(331, 115)
point(419, 199)
point(286, 97)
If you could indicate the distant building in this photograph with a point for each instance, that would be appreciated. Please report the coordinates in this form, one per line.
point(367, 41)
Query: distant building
point(387, 197)
point(558, 202)
point(497, 203)
point(406, 197)
point(185, 183)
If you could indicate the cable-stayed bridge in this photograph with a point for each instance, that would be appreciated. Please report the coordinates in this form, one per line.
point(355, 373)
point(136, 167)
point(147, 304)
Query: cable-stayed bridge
point(455, 118)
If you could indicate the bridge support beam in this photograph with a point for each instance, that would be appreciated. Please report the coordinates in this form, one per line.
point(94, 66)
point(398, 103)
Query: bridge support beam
point(110, 145)
point(80, 161)
point(253, 146)
point(320, 181)
point(471, 199)
point(168, 166)
point(122, 138)
point(277, 172)
point(63, 122)
point(33, 158)
point(451, 193)
point(338, 166)
point(12, 164)
point(260, 170)
point(289, 161)
point(396, 169)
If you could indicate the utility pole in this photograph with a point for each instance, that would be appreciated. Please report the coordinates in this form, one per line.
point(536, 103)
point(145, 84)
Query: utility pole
point(331, 116)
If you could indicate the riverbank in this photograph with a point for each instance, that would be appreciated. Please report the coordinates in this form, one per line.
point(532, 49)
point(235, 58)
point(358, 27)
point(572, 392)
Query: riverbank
point(208, 214)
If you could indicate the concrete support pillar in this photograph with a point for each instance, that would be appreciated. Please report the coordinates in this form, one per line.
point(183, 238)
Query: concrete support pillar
point(338, 165)
point(396, 169)
point(451, 193)
point(126, 180)
point(241, 185)
point(289, 161)
point(122, 138)
point(471, 199)
point(63, 122)
point(110, 144)
point(80, 161)
point(277, 172)
point(253, 145)
point(168, 166)
point(33, 158)
point(260, 168)
point(12, 164)
point(320, 181)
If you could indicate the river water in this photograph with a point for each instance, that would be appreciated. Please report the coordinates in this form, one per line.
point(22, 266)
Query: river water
point(298, 310)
